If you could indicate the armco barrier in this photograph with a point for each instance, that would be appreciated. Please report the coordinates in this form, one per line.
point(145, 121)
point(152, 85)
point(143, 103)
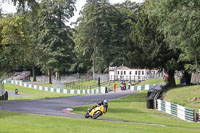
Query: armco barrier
point(57, 90)
point(176, 110)
point(142, 87)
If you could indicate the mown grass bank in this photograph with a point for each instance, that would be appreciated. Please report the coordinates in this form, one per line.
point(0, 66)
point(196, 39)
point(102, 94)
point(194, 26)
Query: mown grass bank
point(184, 96)
point(33, 93)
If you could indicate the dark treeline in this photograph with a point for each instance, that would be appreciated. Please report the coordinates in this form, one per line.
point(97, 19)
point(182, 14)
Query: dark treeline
point(154, 34)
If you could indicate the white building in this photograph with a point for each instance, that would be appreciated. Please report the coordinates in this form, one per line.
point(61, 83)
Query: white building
point(125, 73)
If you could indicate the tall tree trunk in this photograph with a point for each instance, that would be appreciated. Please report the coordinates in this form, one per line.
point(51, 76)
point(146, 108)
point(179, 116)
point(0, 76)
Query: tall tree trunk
point(34, 73)
point(49, 76)
point(94, 60)
point(57, 75)
point(187, 77)
point(171, 80)
point(196, 62)
point(94, 48)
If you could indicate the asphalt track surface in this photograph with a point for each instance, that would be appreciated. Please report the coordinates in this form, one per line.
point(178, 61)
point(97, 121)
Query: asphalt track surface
point(58, 106)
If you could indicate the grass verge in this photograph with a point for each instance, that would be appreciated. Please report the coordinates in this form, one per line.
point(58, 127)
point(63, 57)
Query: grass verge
point(34, 94)
point(151, 81)
point(184, 96)
point(156, 81)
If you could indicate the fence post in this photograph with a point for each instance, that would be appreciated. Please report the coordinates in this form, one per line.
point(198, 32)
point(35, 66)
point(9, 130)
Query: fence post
point(99, 84)
point(195, 116)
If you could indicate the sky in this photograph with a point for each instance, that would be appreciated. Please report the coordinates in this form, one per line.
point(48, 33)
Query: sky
point(9, 8)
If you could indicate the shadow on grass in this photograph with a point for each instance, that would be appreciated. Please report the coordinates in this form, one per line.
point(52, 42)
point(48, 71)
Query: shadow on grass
point(6, 114)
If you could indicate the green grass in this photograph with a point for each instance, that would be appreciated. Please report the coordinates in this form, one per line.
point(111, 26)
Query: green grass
point(151, 81)
point(156, 81)
point(82, 85)
point(184, 95)
point(45, 85)
point(133, 109)
point(28, 123)
point(85, 84)
point(34, 94)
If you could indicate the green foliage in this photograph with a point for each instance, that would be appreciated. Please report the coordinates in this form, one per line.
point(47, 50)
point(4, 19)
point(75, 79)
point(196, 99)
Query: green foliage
point(24, 5)
point(53, 38)
point(15, 39)
point(103, 30)
point(180, 24)
point(14, 30)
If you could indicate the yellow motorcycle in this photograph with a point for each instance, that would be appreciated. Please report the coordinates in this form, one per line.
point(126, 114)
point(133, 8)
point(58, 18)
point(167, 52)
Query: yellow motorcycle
point(96, 112)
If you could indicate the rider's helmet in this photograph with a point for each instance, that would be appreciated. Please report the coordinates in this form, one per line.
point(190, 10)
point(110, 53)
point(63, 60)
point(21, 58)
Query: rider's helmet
point(105, 101)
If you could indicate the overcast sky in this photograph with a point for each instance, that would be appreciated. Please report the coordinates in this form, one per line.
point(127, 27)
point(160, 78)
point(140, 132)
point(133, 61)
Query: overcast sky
point(9, 8)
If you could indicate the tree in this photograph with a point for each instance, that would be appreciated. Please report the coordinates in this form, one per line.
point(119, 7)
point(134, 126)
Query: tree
point(154, 50)
point(88, 32)
point(24, 5)
point(179, 22)
point(100, 38)
point(15, 37)
point(181, 28)
point(129, 16)
point(54, 37)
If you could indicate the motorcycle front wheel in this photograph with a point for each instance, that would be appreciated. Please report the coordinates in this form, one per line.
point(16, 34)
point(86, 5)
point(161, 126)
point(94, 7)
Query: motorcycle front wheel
point(96, 114)
point(86, 115)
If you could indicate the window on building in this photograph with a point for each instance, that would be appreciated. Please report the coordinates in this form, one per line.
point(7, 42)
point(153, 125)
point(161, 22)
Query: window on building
point(130, 73)
point(118, 72)
point(121, 72)
point(135, 72)
point(142, 72)
point(124, 72)
point(138, 72)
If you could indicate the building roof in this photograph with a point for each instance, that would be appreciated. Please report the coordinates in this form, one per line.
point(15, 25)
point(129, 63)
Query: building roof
point(122, 67)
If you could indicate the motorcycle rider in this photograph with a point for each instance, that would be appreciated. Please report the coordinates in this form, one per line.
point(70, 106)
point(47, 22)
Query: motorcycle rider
point(123, 84)
point(102, 102)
